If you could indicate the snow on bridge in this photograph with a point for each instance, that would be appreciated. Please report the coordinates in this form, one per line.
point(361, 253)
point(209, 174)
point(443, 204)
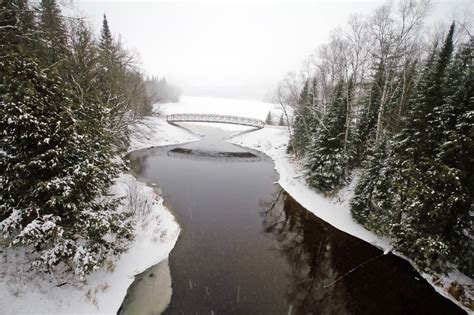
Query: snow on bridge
point(215, 118)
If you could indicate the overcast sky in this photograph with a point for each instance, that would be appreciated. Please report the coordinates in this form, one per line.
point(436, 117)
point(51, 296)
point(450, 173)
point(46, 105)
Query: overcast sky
point(227, 49)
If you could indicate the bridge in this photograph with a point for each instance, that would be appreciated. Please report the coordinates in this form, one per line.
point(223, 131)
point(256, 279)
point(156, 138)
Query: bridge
point(215, 118)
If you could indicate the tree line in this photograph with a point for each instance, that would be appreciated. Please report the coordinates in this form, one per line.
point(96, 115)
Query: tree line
point(386, 103)
point(67, 99)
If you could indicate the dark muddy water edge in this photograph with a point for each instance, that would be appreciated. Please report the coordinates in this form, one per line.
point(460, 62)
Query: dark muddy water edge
point(247, 247)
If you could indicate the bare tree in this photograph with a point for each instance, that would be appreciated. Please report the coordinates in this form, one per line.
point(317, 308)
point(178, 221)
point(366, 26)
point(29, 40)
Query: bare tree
point(395, 32)
point(286, 96)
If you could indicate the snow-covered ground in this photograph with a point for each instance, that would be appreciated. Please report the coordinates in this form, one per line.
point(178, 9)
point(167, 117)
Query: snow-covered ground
point(25, 291)
point(155, 131)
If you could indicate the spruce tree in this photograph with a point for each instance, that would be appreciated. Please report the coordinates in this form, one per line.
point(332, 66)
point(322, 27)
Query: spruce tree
point(17, 26)
point(268, 120)
point(373, 197)
point(106, 41)
point(301, 129)
point(53, 174)
point(326, 159)
point(432, 199)
point(453, 122)
point(110, 72)
point(282, 121)
point(365, 130)
point(314, 114)
point(54, 35)
point(416, 133)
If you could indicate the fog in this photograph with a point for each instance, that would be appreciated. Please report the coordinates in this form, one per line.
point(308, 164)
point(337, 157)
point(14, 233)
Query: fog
point(237, 50)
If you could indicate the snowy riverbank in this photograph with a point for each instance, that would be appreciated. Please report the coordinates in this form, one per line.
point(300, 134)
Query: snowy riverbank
point(25, 291)
point(272, 140)
point(336, 210)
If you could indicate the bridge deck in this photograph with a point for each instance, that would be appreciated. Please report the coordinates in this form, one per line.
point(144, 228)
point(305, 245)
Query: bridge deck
point(215, 118)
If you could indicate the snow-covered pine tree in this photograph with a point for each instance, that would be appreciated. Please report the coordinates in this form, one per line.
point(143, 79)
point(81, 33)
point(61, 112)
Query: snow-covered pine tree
point(282, 121)
point(54, 45)
point(54, 172)
point(430, 192)
point(365, 130)
point(109, 65)
point(268, 120)
point(122, 86)
point(373, 197)
point(326, 160)
point(453, 125)
point(315, 112)
point(106, 40)
point(16, 26)
point(300, 126)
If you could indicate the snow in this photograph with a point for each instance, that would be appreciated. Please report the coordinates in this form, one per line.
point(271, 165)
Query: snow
point(155, 131)
point(104, 290)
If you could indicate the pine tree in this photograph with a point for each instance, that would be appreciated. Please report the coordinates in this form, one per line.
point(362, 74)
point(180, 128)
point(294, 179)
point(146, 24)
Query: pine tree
point(110, 68)
point(430, 94)
point(315, 112)
point(54, 35)
point(16, 27)
point(106, 41)
point(282, 121)
point(373, 197)
point(53, 172)
point(326, 159)
point(453, 123)
point(163, 90)
point(301, 129)
point(268, 120)
point(433, 202)
point(365, 130)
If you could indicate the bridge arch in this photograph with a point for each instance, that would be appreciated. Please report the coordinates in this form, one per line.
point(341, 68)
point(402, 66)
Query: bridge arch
point(215, 118)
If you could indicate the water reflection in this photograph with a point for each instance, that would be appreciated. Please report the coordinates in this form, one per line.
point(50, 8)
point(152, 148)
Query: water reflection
point(335, 273)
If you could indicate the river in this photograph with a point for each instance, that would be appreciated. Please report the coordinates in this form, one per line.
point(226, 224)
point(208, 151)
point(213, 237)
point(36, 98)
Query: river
point(247, 247)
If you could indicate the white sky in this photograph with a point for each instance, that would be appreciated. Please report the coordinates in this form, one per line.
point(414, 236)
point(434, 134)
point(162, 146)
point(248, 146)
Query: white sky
point(226, 48)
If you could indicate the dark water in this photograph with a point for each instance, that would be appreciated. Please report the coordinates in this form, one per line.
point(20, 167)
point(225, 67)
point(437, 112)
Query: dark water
point(246, 247)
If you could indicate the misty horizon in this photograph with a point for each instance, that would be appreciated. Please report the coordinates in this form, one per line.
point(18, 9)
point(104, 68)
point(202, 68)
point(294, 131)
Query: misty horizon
point(236, 50)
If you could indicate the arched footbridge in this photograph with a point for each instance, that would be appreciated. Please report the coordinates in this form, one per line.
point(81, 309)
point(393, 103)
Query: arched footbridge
point(215, 118)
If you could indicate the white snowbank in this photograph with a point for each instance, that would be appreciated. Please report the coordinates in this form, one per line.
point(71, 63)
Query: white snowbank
point(25, 291)
point(155, 131)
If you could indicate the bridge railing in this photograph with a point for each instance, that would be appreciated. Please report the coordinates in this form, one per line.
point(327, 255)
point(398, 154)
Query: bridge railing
point(227, 119)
